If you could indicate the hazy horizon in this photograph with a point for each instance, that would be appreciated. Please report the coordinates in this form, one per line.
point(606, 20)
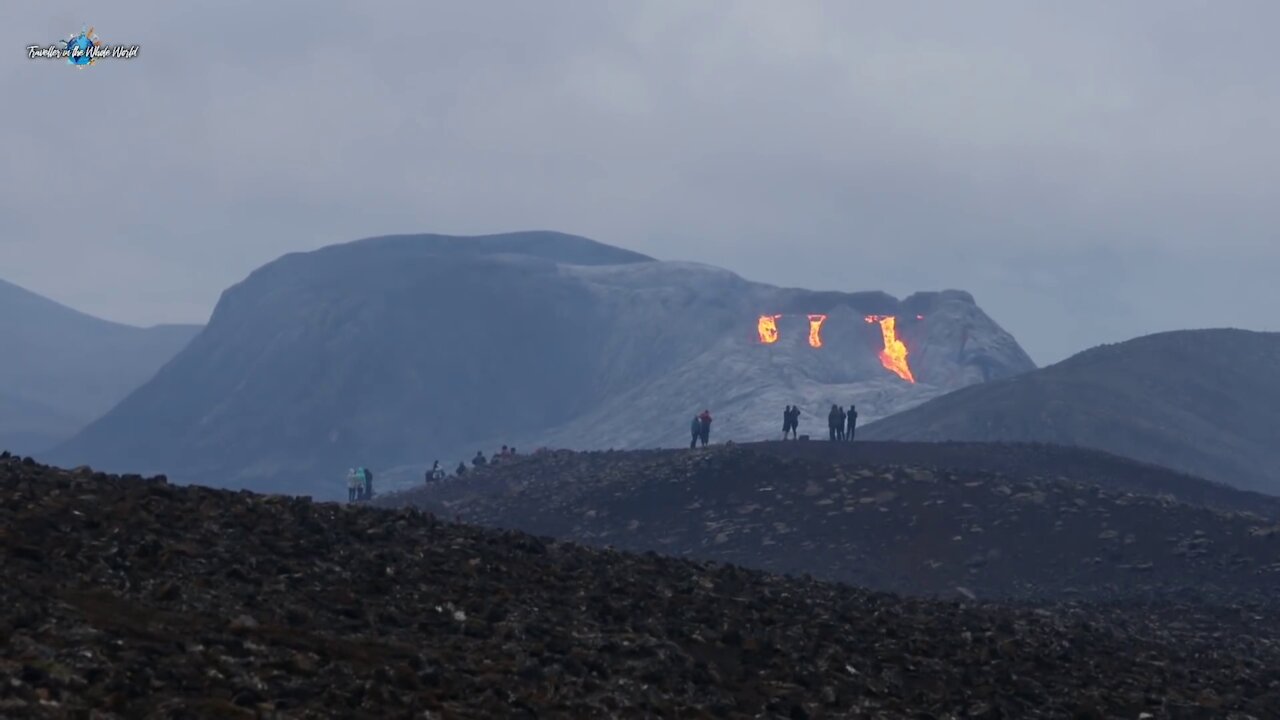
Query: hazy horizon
point(1089, 173)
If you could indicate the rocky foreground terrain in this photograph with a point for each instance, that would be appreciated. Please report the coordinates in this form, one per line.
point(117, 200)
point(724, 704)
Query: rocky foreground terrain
point(915, 528)
point(124, 597)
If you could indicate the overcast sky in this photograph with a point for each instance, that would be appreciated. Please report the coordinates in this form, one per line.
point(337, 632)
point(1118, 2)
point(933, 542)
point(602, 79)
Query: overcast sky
point(1090, 171)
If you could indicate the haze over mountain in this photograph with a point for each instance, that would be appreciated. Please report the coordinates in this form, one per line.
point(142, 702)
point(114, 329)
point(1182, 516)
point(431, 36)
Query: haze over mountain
point(61, 369)
point(1203, 401)
point(391, 352)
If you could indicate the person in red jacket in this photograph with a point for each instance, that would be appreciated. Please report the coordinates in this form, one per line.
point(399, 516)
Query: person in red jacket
point(704, 433)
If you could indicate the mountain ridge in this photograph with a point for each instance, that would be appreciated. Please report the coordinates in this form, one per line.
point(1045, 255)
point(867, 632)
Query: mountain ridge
point(389, 352)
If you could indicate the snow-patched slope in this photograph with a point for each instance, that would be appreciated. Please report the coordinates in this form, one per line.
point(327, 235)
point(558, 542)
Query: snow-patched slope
point(747, 384)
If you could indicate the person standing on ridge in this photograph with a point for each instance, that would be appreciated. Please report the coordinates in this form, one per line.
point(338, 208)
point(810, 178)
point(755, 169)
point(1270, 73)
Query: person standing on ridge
point(852, 419)
point(353, 484)
point(795, 422)
point(695, 432)
point(368, 484)
point(786, 422)
point(840, 424)
point(479, 460)
point(832, 418)
point(704, 429)
point(462, 469)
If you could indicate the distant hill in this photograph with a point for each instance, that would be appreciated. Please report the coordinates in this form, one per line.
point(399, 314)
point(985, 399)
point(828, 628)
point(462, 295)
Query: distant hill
point(61, 369)
point(1203, 401)
point(391, 352)
point(1043, 530)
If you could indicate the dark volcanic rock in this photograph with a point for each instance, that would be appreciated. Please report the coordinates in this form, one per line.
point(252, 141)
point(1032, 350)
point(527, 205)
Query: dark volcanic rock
point(1074, 464)
point(134, 598)
point(916, 529)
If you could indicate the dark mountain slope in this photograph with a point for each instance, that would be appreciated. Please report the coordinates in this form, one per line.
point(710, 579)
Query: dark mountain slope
point(908, 529)
point(60, 368)
point(1082, 465)
point(133, 598)
point(1206, 402)
point(317, 356)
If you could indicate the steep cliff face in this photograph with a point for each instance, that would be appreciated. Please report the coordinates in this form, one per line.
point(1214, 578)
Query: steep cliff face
point(392, 352)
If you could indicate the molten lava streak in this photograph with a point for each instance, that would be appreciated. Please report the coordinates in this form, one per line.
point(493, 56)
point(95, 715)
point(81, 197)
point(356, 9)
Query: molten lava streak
point(767, 326)
point(815, 330)
point(894, 355)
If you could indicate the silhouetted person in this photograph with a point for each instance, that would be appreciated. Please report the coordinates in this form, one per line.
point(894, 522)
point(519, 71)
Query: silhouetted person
point(840, 424)
point(462, 469)
point(479, 461)
point(695, 432)
point(704, 430)
point(795, 422)
point(434, 473)
point(851, 421)
point(368, 484)
point(353, 484)
point(786, 422)
point(832, 418)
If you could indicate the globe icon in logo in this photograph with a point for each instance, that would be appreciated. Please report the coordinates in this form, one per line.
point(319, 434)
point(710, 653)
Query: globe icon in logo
point(80, 50)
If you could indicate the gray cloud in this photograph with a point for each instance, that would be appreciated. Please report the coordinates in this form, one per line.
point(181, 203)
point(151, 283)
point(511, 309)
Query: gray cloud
point(1090, 171)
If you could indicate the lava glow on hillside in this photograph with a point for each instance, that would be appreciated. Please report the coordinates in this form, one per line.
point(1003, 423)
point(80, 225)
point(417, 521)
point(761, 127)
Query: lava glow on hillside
point(767, 326)
point(815, 330)
point(894, 355)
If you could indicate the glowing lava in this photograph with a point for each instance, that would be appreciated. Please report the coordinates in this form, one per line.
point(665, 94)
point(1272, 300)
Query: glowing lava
point(767, 326)
point(815, 330)
point(894, 355)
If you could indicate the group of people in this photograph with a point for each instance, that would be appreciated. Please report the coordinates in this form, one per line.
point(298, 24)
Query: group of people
point(700, 429)
point(840, 424)
point(479, 461)
point(359, 484)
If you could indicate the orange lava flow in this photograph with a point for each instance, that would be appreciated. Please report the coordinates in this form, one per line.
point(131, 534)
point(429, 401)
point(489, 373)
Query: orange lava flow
point(767, 326)
point(894, 355)
point(815, 330)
